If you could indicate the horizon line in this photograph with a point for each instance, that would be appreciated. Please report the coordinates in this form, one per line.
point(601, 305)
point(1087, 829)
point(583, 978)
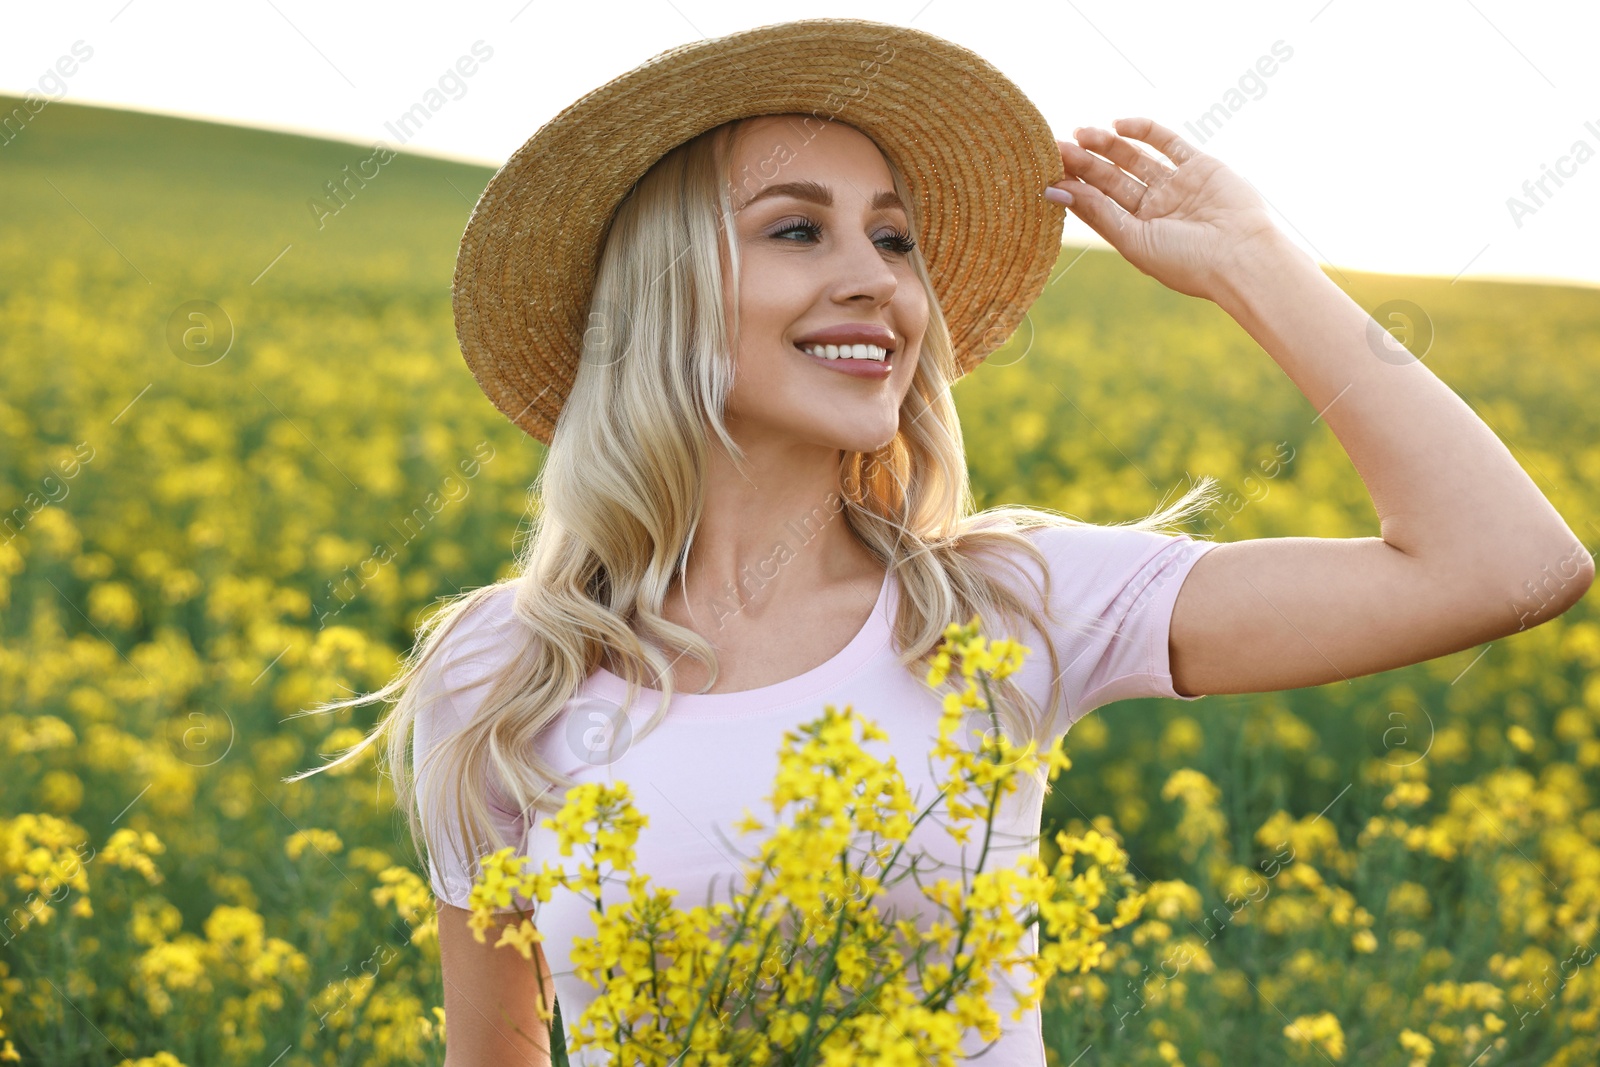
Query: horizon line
point(447, 156)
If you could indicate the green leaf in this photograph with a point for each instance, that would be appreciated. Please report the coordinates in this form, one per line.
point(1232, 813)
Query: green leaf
point(558, 1040)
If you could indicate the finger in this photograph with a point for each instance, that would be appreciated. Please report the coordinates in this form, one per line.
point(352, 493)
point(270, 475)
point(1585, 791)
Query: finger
point(1099, 211)
point(1158, 137)
point(1125, 154)
point(1091, 169)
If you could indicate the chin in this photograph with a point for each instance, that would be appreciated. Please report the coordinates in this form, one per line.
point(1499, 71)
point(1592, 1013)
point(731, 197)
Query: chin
point(859, 439)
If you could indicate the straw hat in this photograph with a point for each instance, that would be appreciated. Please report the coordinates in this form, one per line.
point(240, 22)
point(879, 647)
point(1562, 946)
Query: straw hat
point(974, 150)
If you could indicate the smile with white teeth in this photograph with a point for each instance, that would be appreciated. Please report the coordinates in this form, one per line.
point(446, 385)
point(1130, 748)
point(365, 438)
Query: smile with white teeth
point(872, 352)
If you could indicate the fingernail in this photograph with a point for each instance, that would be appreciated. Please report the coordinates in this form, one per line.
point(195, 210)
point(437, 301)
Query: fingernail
point(1060, 196)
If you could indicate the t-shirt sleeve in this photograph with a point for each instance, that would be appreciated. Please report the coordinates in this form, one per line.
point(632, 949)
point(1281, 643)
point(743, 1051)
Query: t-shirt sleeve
point(1112, 594)
point(449, 694)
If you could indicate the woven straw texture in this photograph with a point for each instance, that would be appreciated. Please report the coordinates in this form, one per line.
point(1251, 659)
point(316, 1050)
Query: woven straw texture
point(974, 150)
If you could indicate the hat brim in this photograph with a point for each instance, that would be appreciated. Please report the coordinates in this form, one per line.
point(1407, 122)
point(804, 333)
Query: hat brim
point(973, 149)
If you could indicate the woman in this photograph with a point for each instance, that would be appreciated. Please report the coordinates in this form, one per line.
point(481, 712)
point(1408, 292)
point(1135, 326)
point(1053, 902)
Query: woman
point(756, 505)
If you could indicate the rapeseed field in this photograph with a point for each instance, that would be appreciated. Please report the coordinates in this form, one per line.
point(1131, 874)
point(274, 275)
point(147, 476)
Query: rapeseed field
point(240, 457)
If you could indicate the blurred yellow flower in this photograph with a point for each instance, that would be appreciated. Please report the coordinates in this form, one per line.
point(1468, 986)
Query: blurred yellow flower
point(325, 842)
point(1321, 1030)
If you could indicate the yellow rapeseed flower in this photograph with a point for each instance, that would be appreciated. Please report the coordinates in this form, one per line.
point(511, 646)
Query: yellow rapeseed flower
point(659, 970)
point(1322, 1031)
point(325, 842)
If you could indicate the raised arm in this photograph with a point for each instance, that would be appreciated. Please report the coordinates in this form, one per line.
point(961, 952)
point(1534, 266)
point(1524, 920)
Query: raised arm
point(1470, 549)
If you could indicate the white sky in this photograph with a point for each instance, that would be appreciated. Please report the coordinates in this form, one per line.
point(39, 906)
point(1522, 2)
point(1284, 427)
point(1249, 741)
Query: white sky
point(1391, 140)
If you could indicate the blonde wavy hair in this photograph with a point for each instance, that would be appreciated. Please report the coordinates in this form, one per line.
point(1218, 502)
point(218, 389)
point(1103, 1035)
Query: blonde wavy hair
point(616, 504)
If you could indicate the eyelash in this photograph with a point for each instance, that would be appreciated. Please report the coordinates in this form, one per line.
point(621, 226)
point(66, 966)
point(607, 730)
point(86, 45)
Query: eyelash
point(903, 242)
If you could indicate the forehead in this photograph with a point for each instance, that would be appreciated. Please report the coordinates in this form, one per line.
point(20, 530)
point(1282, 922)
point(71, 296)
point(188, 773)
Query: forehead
point(781, 149)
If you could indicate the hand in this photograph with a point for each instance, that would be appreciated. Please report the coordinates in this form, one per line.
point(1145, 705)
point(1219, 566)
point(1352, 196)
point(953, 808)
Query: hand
point(1188, 227)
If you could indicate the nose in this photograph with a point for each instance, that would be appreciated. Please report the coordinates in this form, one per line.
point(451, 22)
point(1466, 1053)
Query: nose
point(861, 272)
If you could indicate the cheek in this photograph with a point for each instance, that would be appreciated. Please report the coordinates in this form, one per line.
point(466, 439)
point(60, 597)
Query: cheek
point(916, 298)
point(773, 299)
point(915, 312)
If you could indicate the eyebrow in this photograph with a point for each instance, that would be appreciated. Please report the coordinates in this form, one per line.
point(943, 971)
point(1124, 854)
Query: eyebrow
point(817, 193)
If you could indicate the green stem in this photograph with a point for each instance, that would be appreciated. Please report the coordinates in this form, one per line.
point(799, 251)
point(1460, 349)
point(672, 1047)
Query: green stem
point(755, 977)
point(594, 854)
point(655, 989)
point(744, 917)
point(828, 969)
point(988, 831)
point(901, 847)
point(846, 1014)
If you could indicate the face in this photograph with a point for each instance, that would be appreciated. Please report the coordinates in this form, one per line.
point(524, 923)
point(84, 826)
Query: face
point(822, 244)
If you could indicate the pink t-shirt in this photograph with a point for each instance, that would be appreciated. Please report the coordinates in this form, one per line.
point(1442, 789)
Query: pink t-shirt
point(714, 756)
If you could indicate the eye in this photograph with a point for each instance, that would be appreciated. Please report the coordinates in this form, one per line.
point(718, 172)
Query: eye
point(899, 241)
point(805, 226)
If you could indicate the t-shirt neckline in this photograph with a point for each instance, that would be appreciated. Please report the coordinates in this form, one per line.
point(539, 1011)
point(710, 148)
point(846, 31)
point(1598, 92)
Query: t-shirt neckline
point(866, 644)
